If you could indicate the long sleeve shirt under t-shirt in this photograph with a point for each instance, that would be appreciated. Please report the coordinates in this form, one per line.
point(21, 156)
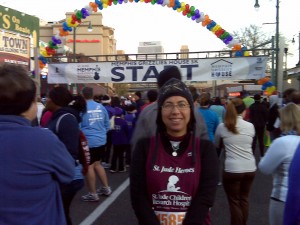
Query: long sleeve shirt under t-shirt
point(239, 157)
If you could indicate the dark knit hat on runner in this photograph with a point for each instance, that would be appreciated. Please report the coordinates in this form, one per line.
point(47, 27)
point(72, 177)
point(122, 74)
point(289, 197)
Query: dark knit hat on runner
point(174, 87)
point(167, 74)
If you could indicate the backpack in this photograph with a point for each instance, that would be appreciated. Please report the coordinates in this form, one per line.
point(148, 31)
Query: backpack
point(84, 150)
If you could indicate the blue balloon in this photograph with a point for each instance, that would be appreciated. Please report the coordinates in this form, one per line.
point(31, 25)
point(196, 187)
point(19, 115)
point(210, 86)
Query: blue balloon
point(238, 53)
point(66, 27)
point(268, 84)
point(43, 59)
point(211, 25)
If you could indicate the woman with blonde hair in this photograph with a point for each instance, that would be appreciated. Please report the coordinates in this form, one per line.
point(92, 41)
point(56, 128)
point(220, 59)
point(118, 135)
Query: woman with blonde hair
point(236, 134)
point(278, 159)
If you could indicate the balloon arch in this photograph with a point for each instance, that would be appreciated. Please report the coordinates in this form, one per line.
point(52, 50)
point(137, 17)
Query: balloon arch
point(185, 9)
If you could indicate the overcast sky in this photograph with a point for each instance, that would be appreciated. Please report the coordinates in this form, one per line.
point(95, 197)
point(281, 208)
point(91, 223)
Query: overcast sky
point(137, 22)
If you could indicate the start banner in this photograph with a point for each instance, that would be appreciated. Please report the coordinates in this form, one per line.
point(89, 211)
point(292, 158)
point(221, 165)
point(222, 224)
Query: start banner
point(240, 68)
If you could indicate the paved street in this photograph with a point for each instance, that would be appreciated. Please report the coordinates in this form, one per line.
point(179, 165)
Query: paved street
point(116, 209)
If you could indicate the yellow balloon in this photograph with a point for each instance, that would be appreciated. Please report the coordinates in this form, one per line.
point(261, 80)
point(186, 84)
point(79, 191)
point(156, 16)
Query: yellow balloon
point(44, 53)
point(270, 90)
point(246, 53)
point(105, 5)
point(69, 21)
point(215, 28)
point(273, 88)
point(182, 6)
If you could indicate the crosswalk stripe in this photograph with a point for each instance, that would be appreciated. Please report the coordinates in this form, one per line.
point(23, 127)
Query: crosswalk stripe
point(103, 206)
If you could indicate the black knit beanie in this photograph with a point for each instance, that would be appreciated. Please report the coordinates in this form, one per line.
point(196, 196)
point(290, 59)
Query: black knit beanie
point(167, 74)
point(174, 87)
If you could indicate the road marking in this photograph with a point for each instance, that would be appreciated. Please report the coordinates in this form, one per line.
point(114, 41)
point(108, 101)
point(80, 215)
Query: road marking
point(104, 205)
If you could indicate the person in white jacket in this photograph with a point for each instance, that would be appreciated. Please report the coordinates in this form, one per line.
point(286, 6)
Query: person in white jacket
point(239, 166)
point(278, 159)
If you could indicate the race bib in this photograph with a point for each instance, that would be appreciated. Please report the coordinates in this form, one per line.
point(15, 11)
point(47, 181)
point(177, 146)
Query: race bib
point(170, 218)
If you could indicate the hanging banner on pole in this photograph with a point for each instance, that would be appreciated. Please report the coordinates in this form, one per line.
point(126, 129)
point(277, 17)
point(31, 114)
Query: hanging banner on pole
point(240, 68)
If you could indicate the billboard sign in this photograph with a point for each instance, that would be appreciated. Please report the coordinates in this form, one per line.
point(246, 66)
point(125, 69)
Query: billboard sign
point(19, 33)
point(14, 48)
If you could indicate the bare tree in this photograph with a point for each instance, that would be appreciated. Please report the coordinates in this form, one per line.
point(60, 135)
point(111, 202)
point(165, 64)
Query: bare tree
point(252, 36)
point(121, 88)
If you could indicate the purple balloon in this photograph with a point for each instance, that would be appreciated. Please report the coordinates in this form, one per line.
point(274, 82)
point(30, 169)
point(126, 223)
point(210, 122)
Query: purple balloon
point(229, 38)
point(55, 40)
point(197, 13)
point(84, 13)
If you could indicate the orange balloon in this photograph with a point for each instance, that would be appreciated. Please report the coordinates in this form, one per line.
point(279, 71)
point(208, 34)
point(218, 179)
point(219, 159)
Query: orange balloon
point(41, 65)
point(172, 3)
point(237, 47)
point(94, 6)
point(206, 21)
point(263, 80)
point(62, 32)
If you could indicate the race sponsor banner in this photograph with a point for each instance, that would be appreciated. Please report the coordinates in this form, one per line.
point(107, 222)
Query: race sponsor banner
point(240, 68)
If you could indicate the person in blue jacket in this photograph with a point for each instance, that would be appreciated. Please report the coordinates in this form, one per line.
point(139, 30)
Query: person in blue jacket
point(64, 122)
point(33, 161)
point(210, 117)
point(292, 204)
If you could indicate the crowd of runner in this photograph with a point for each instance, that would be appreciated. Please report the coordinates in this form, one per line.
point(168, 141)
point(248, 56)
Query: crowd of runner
point(149, 134)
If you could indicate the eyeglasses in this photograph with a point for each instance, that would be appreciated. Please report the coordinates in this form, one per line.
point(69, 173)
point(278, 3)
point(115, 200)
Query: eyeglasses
point(181, 106)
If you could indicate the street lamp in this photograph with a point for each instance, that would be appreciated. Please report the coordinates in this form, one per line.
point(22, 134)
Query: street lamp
point(256, 6)
point(274, 79)
point(293, 41)
point(90, 29)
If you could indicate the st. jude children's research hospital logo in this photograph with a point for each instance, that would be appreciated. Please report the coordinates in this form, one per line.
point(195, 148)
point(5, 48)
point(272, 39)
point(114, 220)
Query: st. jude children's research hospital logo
point(221, 68)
